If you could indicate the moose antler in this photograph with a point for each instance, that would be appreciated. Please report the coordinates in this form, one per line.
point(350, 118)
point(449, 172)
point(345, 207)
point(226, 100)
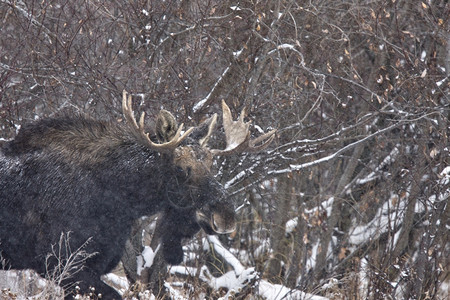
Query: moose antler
point(237, 135)
point(138, 129)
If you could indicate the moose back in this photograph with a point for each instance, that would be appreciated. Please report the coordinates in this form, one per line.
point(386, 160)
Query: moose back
point(91, 179)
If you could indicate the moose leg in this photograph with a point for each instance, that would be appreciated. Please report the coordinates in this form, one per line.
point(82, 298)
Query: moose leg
point(172, 249)
point(86, 280)
point(178, 224)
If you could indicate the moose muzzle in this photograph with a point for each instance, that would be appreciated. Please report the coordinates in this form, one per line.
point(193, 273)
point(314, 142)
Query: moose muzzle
point(217, 221)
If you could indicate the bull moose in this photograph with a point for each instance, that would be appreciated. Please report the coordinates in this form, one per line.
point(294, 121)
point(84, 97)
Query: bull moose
point(93, 178)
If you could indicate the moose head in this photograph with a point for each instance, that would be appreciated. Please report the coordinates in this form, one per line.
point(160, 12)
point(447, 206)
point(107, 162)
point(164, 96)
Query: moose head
point(193, 159)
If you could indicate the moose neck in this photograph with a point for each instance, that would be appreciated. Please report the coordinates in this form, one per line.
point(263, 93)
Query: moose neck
point(135, 176)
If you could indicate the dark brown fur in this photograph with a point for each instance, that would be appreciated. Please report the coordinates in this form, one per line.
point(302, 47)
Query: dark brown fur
point(93, 179)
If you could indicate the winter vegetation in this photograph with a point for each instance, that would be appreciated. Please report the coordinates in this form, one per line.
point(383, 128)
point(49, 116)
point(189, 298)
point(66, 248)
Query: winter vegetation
point(350, 201)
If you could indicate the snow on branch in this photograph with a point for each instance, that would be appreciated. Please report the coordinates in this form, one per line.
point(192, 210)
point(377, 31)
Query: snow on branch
point(332, 156)
point(381, 223)
point(225, 254)
point(19, 6)
point(288, 47)
point(239, 277)
point(278, 292)
point(376, 173)
point(360, 122)
point(234, 281)
point(200, 104)
point(235, 179)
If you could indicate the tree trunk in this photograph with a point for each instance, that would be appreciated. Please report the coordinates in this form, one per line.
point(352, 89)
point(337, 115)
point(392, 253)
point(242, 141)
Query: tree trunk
point(298, 248)
point(321, 258)
point(273, 270)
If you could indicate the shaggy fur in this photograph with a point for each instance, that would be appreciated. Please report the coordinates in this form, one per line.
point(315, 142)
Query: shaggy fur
point(93, 179)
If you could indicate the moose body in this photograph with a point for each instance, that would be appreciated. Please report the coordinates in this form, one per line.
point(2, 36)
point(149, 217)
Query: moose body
point(92, 179)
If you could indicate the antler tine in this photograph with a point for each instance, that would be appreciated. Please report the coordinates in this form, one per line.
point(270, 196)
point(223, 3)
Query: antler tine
point(128, 111)
point(237, 134)
point(264, 139)
point(139, 132)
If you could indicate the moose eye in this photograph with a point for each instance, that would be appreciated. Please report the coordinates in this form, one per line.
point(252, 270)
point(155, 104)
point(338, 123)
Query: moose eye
point(179, 170)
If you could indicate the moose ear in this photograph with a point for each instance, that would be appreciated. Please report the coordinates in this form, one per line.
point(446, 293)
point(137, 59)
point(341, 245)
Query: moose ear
point(203, 131)
point(166, 126)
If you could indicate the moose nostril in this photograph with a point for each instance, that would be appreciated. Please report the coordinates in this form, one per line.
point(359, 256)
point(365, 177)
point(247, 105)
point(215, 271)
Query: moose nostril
point(216, 223)
point(222, 225)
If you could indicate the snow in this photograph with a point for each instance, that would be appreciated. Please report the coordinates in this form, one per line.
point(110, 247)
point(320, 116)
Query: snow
point(280, 47)
point(237, 53)
point(231, 280)
point(226, 255)
point(440, 82)
point(423, 55)
point(20, 282)
point(264, 247)
point(327, 205)
point(277, 292)
point(291, 225)
point(386, 217)
point(174, 293)
point(377, 172)
point(118, 281)
point(311, 261)
point(445, 176)
point(237, 278)
point(245, 203)
point(145, 260)
point(363, 276)
point(234, 179)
